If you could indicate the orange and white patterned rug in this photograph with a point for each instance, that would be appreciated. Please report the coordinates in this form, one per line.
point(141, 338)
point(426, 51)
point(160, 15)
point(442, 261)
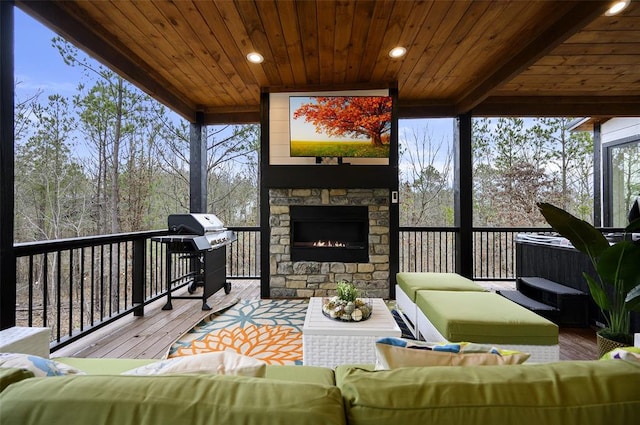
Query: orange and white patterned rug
point(269, 330)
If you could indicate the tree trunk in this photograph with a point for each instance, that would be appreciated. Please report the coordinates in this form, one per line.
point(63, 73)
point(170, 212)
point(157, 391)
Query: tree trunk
point(376, 140)
point(115, 228)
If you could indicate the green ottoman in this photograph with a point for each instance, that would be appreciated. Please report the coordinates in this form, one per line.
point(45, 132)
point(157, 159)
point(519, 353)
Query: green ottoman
point(409, 283)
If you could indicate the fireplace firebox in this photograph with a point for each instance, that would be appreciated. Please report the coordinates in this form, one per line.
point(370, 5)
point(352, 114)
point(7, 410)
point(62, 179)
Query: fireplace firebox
point(330, 233)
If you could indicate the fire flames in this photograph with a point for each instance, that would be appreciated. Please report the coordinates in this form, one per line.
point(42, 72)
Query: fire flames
point(329, 244)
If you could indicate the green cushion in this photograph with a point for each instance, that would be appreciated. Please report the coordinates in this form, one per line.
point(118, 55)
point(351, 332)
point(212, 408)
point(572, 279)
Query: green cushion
point(10, 375)
point(104, 366)
point(412, 282)
point(552, 393)
point(302, 374)
point(168, 400)
point(485, 317)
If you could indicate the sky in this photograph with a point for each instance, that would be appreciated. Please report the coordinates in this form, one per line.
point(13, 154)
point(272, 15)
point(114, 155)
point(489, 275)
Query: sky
point(38, 65)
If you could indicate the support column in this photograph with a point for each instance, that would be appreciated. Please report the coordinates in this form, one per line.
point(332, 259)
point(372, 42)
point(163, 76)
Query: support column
point(463, 195)
point(597, 176)
point(265, 229)
point(7, 164)
point(197, 167)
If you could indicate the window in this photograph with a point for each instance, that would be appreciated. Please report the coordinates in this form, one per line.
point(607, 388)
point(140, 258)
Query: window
point(622, 180)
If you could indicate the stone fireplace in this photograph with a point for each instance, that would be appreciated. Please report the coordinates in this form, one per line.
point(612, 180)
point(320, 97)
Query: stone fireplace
point(321, 236)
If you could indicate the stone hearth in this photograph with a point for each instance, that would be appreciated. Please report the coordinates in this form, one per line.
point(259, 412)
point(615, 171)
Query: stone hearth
point(303, 279)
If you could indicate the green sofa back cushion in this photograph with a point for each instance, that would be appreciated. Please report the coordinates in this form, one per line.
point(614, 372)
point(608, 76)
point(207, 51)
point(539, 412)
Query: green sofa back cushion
point(553, 393)
point(168, 400)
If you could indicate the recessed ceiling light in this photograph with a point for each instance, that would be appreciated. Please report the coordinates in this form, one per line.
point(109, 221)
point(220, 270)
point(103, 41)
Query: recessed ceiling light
point(617, 7)
point(397, 52)
point(255, 57)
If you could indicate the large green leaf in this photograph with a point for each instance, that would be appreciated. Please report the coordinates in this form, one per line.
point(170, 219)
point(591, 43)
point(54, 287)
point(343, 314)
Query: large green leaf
point(633, 299)
point(582, 235)
point(620, 263)
point(597, 293)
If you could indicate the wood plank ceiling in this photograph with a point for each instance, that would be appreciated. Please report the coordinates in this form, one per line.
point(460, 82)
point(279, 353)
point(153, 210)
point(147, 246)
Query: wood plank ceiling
point(486, 57)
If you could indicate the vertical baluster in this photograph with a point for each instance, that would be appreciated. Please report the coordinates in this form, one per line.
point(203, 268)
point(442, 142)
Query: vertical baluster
point(102, 282)
point(110, 294)
point(82, 255)
point(45, 290)
point(126, 274)
point(70, 292)
point(30, 312)
point(93, 295)
point(58, 294)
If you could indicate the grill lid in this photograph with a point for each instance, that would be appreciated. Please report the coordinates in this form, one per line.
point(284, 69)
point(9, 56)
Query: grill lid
point(194, 224)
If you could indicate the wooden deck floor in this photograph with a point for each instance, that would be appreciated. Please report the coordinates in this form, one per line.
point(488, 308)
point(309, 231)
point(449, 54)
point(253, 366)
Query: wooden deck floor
point(151, 336)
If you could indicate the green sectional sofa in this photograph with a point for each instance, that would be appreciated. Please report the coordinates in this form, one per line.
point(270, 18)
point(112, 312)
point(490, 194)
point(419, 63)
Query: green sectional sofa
point(584, 393)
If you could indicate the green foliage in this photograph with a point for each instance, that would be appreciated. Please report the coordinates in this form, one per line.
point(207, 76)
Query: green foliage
point(49, 178)
point(112, 159)
point(517, 162)
point(362, 149)
point(616, 286)
point(346, 291)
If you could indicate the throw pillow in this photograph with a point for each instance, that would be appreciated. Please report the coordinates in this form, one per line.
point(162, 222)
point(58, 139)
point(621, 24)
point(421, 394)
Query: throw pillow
point(217, 363)
point(392, 353)
point(37, 365)
point(630, 354)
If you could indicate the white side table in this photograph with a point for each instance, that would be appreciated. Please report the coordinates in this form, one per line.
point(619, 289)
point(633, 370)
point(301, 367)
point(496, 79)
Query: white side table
point(25, 340)
point(328, 343)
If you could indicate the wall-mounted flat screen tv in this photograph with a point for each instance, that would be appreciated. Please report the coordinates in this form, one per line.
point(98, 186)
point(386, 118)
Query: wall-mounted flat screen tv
point(340, 126)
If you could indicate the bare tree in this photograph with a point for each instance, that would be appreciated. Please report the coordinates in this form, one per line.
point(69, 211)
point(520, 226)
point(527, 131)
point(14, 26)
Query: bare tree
point(426, 178)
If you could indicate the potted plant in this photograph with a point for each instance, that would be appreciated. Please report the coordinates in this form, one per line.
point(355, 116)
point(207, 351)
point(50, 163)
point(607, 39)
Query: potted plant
point(616, 286)
point(346, 306)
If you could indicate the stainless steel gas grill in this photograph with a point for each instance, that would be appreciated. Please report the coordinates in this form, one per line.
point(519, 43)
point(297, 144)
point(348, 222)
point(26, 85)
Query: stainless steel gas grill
point(196, 249)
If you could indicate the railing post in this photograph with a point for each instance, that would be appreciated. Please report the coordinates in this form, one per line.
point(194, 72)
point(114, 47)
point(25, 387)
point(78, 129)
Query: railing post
point(139, 262)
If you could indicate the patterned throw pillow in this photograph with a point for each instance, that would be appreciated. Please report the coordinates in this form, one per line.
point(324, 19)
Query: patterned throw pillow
point(39, 366)
point(217, 363)
point(392, 353)
point(630, 354)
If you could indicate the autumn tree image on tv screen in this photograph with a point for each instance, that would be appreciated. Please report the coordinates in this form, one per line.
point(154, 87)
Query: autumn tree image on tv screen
point(340, 126)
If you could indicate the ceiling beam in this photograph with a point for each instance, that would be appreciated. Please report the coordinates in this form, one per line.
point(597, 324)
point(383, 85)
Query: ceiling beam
point(573, 20)
point(213, 117)
point(109, 51)
point(559, 106)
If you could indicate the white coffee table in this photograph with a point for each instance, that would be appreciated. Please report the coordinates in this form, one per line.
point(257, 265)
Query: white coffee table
point(328, 343)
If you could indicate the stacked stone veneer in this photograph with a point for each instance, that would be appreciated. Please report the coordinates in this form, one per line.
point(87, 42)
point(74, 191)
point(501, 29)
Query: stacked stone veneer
point(303, 279)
